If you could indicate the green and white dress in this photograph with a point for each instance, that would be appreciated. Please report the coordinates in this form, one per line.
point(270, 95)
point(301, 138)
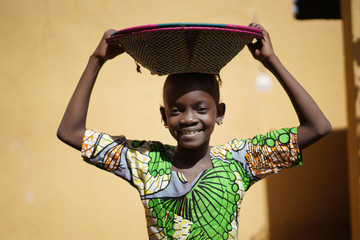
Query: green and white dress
point(208, 207)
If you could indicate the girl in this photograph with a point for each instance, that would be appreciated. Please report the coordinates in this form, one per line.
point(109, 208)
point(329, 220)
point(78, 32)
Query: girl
point(193, 190)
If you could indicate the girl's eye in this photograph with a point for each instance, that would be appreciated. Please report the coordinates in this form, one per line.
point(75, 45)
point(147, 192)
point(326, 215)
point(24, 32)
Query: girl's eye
point(201, 110)
point(174, 110)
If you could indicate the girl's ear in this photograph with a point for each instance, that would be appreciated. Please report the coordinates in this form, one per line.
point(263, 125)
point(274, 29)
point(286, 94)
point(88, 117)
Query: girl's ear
point(220, 112)
point(163, 115)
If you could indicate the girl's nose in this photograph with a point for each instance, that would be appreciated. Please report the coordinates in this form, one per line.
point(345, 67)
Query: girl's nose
point(189, 118)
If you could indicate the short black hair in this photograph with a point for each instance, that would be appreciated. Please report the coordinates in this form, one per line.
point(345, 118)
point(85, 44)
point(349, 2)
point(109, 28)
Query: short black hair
point(213, 81)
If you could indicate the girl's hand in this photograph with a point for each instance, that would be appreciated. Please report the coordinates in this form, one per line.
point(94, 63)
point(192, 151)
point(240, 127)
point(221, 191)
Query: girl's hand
point(262, 49)
point(313, 124)
point(105, 51)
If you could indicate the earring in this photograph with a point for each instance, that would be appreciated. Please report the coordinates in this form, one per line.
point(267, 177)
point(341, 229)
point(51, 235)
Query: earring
point(219, 122)
point(166, 126)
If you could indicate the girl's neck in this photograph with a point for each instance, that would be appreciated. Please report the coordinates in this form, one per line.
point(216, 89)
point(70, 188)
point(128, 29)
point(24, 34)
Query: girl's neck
point(187, 158)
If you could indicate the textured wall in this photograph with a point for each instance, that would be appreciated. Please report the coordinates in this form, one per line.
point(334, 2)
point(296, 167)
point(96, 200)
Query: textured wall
point(48, 192)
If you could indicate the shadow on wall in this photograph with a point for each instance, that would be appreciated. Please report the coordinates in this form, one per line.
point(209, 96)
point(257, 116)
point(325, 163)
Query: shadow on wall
point(311, 201)
point(356, 45)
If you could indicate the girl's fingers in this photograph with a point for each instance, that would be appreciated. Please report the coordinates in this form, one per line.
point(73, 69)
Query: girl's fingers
point(256, 25)
point(109, 32)
point(261, 48)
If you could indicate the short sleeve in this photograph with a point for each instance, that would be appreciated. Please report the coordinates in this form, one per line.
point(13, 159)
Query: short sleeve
point(106, 152)
point(273, 152)
point(144, 164)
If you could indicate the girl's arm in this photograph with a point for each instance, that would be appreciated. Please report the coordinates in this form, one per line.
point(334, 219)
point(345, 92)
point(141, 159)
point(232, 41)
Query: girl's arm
point(313, 124)
point(72, 126)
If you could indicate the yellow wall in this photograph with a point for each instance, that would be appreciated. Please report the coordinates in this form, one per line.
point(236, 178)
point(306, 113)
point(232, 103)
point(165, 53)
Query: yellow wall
point(48, 192)
point(351, 11)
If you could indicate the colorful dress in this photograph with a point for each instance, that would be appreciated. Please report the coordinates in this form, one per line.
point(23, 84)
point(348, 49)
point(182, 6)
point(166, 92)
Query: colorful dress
point(207, 208)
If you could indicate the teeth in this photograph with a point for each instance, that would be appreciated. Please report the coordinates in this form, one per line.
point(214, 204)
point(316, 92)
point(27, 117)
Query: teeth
point(190, 133)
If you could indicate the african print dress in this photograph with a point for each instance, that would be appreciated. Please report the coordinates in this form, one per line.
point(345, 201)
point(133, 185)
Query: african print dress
point(208, 207)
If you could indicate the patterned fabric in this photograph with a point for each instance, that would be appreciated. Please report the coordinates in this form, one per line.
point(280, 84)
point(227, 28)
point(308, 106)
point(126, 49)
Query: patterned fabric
point(208, 207)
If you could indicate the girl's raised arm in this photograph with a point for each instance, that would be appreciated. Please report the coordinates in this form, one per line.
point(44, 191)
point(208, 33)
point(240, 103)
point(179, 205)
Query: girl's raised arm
point(72, 126)
point(313, 124)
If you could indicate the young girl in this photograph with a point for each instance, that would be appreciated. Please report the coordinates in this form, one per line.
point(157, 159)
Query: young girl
point(193, 190)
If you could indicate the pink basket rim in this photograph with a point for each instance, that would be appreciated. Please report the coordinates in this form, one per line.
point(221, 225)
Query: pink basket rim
point(188, 26)
point(123, 35)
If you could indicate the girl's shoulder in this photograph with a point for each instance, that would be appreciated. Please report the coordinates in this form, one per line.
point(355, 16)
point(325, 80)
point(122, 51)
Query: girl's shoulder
point(233, 145)
point(95, 142)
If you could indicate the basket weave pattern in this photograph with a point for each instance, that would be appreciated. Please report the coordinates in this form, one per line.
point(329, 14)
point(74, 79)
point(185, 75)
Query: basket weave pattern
point(167, 51)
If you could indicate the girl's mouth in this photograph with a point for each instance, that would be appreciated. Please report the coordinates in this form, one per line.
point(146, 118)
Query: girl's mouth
point(190, 133)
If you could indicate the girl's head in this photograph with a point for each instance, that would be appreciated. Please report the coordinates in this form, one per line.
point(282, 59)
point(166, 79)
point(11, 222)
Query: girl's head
point(192, 107)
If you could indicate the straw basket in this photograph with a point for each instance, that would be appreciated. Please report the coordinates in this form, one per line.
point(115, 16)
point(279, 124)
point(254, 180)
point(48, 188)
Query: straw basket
point(181, 48)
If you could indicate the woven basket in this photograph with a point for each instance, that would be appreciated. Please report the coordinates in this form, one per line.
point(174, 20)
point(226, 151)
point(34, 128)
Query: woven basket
point(181, 48)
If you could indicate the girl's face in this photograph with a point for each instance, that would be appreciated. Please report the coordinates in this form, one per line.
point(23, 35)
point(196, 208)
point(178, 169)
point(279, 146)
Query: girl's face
point(190, 112)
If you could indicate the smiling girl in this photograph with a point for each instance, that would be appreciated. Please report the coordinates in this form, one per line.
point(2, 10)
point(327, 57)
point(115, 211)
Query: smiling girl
point(193, 190)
